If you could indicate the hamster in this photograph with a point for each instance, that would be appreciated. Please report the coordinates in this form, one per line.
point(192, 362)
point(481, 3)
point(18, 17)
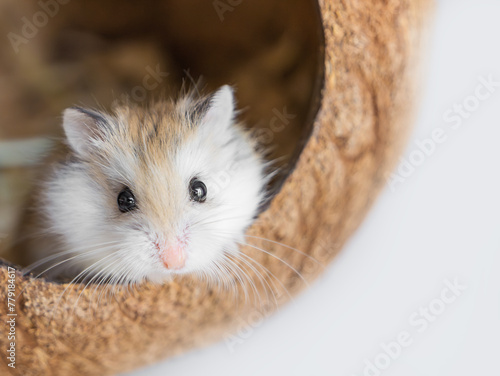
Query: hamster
point(144, 194)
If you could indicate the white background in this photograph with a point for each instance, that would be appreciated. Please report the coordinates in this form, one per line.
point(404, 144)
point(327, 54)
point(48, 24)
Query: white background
point(442, 223)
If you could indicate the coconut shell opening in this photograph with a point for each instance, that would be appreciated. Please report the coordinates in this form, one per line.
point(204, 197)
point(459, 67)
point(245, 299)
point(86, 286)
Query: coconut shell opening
point(342, 71)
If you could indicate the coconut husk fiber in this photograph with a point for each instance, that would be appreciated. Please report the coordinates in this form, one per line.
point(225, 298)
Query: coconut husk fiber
point(352, 97)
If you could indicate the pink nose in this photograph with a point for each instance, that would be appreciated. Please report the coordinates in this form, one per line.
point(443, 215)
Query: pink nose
point(173, 257)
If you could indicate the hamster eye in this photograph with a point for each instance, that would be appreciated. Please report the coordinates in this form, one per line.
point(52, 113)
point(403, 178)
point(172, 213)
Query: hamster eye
point(197, 190)
point(126, 201)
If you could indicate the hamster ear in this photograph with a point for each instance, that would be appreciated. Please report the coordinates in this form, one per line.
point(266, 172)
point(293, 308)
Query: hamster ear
point(81, 127)
point(220, 112)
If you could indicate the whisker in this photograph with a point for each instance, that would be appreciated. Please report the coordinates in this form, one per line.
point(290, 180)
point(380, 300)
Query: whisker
point(101, 272)
point(44, 260)
point(286, 246)
point(269, 272)
point(76, 278)
point(279, 259)
point(81, 255)
point(261, 278)
point(252, 285)
point(272, 255)
point(119, 278)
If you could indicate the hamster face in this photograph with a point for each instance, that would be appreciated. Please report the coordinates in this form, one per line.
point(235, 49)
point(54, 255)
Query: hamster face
point(148, 194)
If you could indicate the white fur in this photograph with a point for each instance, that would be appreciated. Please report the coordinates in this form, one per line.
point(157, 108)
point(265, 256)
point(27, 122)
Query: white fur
point(78, 208)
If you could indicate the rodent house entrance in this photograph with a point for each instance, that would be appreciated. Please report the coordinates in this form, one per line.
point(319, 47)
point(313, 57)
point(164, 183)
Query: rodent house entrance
point(100, 53)
point(95, 53)
point(332, 153)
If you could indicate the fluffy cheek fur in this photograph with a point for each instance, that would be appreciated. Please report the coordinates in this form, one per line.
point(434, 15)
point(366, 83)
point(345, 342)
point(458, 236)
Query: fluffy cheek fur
point(105, 243)
point(80, 214)
point(86, 221)
point(82, 209)
point(234, 176)
point(233, 173)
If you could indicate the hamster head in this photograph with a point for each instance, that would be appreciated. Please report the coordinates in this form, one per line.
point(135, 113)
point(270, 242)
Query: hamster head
point(151, 193)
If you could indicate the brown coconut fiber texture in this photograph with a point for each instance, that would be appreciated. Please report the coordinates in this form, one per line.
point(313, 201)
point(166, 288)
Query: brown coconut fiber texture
point(370, 51)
